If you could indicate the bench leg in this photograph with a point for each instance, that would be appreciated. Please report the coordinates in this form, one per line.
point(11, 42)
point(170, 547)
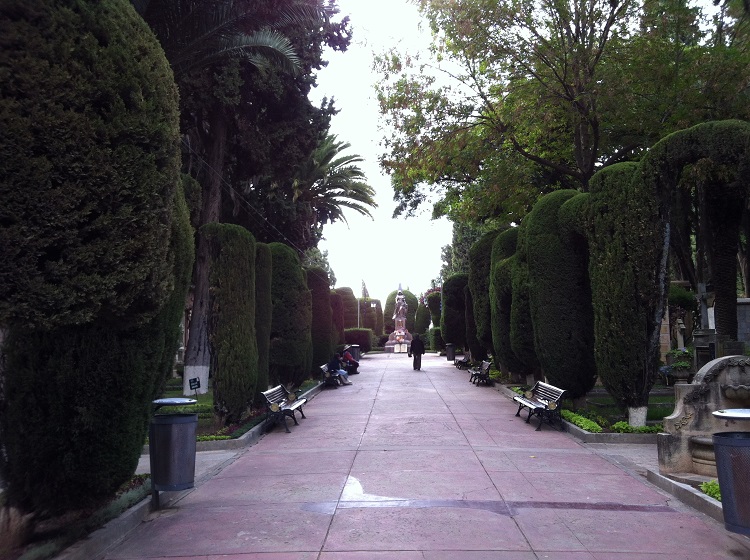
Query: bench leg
point(302, 413)
point(531, 412)
point(291, 415)
point(541, 419)
point(520, 406)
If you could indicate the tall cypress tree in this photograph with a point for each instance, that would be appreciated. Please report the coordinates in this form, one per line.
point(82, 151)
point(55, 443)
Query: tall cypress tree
point(91, 167)
point(231, 319)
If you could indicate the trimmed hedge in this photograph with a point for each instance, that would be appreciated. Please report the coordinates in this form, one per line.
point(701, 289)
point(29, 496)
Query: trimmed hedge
point(231, 319)
point(436, 340)
point(322, 321)
point(93, 246)
point(501, 299)
point(64, 381)
point(290, 355)
point(453, 317)
point(434, 301)
point(90, 164)
point(363, 337)
point(349, 302)
point(521, 326)
point(263, 316)
point(560, 298)
point(422, 319)
point(337, 318)
point(480, 259)
point(477, 350)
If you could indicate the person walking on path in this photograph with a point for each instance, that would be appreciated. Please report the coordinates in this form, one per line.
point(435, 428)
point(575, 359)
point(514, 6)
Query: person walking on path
point(417, 349)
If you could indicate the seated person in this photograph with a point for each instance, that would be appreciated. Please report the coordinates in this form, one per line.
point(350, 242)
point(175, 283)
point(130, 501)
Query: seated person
point(350, 362)
point(335, 366)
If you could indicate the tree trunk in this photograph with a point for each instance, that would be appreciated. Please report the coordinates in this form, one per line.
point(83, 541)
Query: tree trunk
point(637, 415)
point(198, 352)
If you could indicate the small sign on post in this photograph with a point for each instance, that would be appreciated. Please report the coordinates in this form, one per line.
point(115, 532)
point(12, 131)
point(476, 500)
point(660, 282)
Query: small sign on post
point(195, 384)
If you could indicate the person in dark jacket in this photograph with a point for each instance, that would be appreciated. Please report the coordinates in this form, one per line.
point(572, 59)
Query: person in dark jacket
point(336, 366)
point(417, 349)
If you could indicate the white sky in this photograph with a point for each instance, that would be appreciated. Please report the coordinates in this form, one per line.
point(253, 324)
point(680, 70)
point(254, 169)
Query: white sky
point(383, 252)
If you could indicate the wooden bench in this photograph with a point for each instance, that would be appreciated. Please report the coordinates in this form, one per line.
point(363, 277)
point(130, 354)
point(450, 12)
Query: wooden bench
point(282, 403)
point(481, 374)
point(330, 378)
point(542, 401)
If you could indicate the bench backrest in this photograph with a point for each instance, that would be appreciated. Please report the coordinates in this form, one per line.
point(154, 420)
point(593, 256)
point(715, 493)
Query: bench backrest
point(276, 395)
point(486, 366)
point(546, 392)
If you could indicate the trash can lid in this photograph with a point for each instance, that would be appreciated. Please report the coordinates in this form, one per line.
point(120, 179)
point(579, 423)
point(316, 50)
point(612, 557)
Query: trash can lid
point(174, 402)
point(733, 413)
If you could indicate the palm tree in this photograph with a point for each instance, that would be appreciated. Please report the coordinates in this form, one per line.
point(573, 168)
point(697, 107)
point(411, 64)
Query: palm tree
point(330, 182)
point(324, 186)
point(198, 33)
point(205, 36)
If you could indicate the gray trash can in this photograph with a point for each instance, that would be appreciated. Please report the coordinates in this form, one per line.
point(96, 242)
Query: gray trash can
point(732, 450)
point(450, 352)
point(171, 448)
point(354, 349)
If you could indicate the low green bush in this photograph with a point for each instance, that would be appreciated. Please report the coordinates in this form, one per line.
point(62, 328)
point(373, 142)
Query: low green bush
point(581, 422)
point(711, 488)
point(625, 428)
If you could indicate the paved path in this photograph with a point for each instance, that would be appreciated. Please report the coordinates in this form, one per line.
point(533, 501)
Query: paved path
point(407, 465)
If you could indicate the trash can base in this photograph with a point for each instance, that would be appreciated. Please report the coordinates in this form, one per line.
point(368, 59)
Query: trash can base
point(737, 529)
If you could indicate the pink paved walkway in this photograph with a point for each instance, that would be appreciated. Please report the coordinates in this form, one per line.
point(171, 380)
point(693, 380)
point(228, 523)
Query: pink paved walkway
point(407, 465)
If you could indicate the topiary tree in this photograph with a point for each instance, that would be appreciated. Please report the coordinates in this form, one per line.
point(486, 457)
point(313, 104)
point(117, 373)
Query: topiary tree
point(349, 302)
point(290, 353)
point(433, 300)
point(337, 317)
point(322, 317)
point(421, 318)
point(71, 251)
point(560, 297)
point(453, 317)
point(231, 319)
point(93, 243)
point(263, 315)
point(480, 256)
point(521, 327)
point(371, 315)
point(476, 349)
point(436, 340)
point(501, 300)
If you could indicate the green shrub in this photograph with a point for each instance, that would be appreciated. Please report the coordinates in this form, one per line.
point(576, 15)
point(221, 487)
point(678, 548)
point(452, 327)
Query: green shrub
point(560, 297)
point(231, 319)
point(711, 488)
point(363, 337)
point(480, 260)
point(422, 319)
point(501, 299)
point(478, 351)
point(436, 340)
point(89, 153)
point(322, 321)
point(263, 316)
point(453, 316)
point(349, 307)
point(290, 354)
point(625, 428)
point(521, 326)
point(92, 247)
point(433, 301)
point(581, 422)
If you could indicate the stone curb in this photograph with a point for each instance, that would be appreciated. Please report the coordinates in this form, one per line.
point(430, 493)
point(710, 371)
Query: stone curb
point(96, 545)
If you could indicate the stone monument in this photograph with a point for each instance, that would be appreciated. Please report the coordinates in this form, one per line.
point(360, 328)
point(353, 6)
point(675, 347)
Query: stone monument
point(686, 451)
point(400, 339)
